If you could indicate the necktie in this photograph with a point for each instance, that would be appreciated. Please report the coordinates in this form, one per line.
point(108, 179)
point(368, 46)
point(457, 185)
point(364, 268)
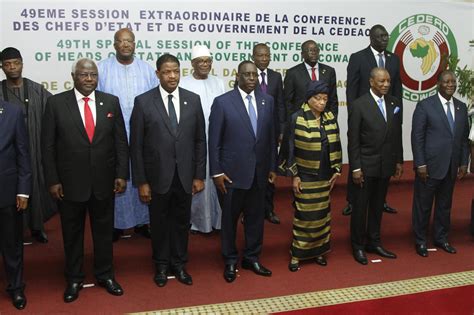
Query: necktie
point(263, 85)
point(172, 114)
point(449, 114)
point(313, 74)
point(382, 110)
point(88, 119)
point(252, 115)
point(381, 63)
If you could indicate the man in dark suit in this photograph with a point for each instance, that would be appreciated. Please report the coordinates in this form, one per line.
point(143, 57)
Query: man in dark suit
point(15, 187)
point(168, 150)
point(298, 77)
point(375, 154)
point(440, 144)
point(270, 82)
point(242, 159)
point(85, 160)
point(358, 76)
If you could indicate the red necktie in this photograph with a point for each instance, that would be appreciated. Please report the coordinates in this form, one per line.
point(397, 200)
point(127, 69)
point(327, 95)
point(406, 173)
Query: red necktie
point(88, 119)
point(313, 74)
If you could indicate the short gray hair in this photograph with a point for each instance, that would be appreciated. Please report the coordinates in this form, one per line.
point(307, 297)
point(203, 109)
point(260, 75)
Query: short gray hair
point(74, 65)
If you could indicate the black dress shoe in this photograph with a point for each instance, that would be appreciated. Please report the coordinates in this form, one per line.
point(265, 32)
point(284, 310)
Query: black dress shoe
point(388, 209)
point(183, 277)
point(379, 250)
point(161, 277)
point(421, 250)
point(111, 286)
point(39, 236)
point(72, 291)
point(320, 260)
point(293, 267)
point(117, 234)
point(273, 218)
point(19, 300)
point(143, 230)
point(256, 267)
point(359, 256)
point(446, 247)
point(230, 272)
point(347, 210)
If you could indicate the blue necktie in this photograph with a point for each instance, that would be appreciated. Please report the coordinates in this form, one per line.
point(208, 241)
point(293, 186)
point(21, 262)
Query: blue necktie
point(450, 117)
point(263, 85)
point(382, 110)
point(381, 63)
point(252, 115)
point(172, 114)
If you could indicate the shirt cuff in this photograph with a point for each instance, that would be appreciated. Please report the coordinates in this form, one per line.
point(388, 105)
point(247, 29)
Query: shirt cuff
point(24, 196)
point(359, 169)
point(217, 175)
point(422, 166)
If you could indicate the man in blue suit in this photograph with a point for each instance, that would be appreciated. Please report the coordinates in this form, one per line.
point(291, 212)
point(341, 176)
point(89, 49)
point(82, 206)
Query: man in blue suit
point(15, 187)
point(242, 158)
point(440, 146)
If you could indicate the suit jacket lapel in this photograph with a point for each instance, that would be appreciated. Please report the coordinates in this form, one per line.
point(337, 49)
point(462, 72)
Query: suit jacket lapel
point(304, 73)
point(240, 107)
point(100, 115)
point(440, 110)
point(260, 113)
point(183, 109)
point(389, 107)
point(158, 103)
point(370, 58)
point(72, 106)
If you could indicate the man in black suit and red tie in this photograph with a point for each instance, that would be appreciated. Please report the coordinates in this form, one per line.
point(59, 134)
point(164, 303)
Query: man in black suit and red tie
point(270, 82)
point(15, 187)
point(375, 154)
point(298, 77)
point(85, 160)
point(358, 76)
point(168, 151)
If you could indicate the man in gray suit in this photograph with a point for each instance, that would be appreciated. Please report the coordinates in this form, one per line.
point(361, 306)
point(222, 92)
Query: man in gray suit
point(168, 151)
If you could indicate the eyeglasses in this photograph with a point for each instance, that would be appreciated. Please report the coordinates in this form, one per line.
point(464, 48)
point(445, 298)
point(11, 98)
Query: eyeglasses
point(85, 75)
point(201, 62)
point(125, 41)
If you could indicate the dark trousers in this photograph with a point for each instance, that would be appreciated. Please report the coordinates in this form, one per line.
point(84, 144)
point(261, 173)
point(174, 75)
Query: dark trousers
point(251, 202)
point(101, 217)
point(269, 195)
point(170, 216)
point(351, 189)
point(441, 191)
point(366, 216)
point(11, 246)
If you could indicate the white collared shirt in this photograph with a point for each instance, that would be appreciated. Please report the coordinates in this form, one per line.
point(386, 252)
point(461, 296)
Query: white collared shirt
point(376, 56)
point(376, 98)
point(445, 108)
point(310, 71)
point(246, 102)
point(260, 76)
point(164, 96)
point(91, 103)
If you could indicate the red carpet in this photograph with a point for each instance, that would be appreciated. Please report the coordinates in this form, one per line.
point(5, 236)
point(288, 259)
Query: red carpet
point(446, 301)
point(44, 263)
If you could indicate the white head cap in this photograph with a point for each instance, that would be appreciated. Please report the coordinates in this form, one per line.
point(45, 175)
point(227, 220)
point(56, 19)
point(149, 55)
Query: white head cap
point(200, 51)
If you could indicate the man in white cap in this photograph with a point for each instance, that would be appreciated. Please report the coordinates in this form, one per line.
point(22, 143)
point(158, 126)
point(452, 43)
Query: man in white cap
point(205, 209)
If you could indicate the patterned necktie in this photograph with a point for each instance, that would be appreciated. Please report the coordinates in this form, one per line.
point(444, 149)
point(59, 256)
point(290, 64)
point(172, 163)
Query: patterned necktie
point(252, 115)
point(382, 110)
point(381, 63)
point(313, 74)
point(172, 114)
point(263, 85)
point(88, 119)
point(449, 114)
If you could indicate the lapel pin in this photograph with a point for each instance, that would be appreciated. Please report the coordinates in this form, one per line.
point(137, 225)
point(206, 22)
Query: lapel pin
point(388, 55)
point(323, 71)
point(101, 103)
point(263, 102)
point(185, 103)
point(26, 100)
point(1, 110)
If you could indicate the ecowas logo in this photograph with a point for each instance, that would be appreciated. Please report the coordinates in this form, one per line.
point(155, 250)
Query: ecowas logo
point(422, 42)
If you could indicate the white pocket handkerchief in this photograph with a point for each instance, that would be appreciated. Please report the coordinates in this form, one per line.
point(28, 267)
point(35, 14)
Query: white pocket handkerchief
point(396, 110)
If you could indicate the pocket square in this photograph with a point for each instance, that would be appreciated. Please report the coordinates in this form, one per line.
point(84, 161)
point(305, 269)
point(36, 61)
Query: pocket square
point(110, 115)
point(396, 110)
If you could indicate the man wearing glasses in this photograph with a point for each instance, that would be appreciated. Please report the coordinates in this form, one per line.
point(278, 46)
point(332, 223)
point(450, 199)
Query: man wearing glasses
point(125, 76)
point(205, 208)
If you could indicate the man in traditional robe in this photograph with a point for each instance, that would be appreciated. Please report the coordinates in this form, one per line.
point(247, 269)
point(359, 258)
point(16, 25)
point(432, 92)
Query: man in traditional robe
point(125, 76)
point(31, 97)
